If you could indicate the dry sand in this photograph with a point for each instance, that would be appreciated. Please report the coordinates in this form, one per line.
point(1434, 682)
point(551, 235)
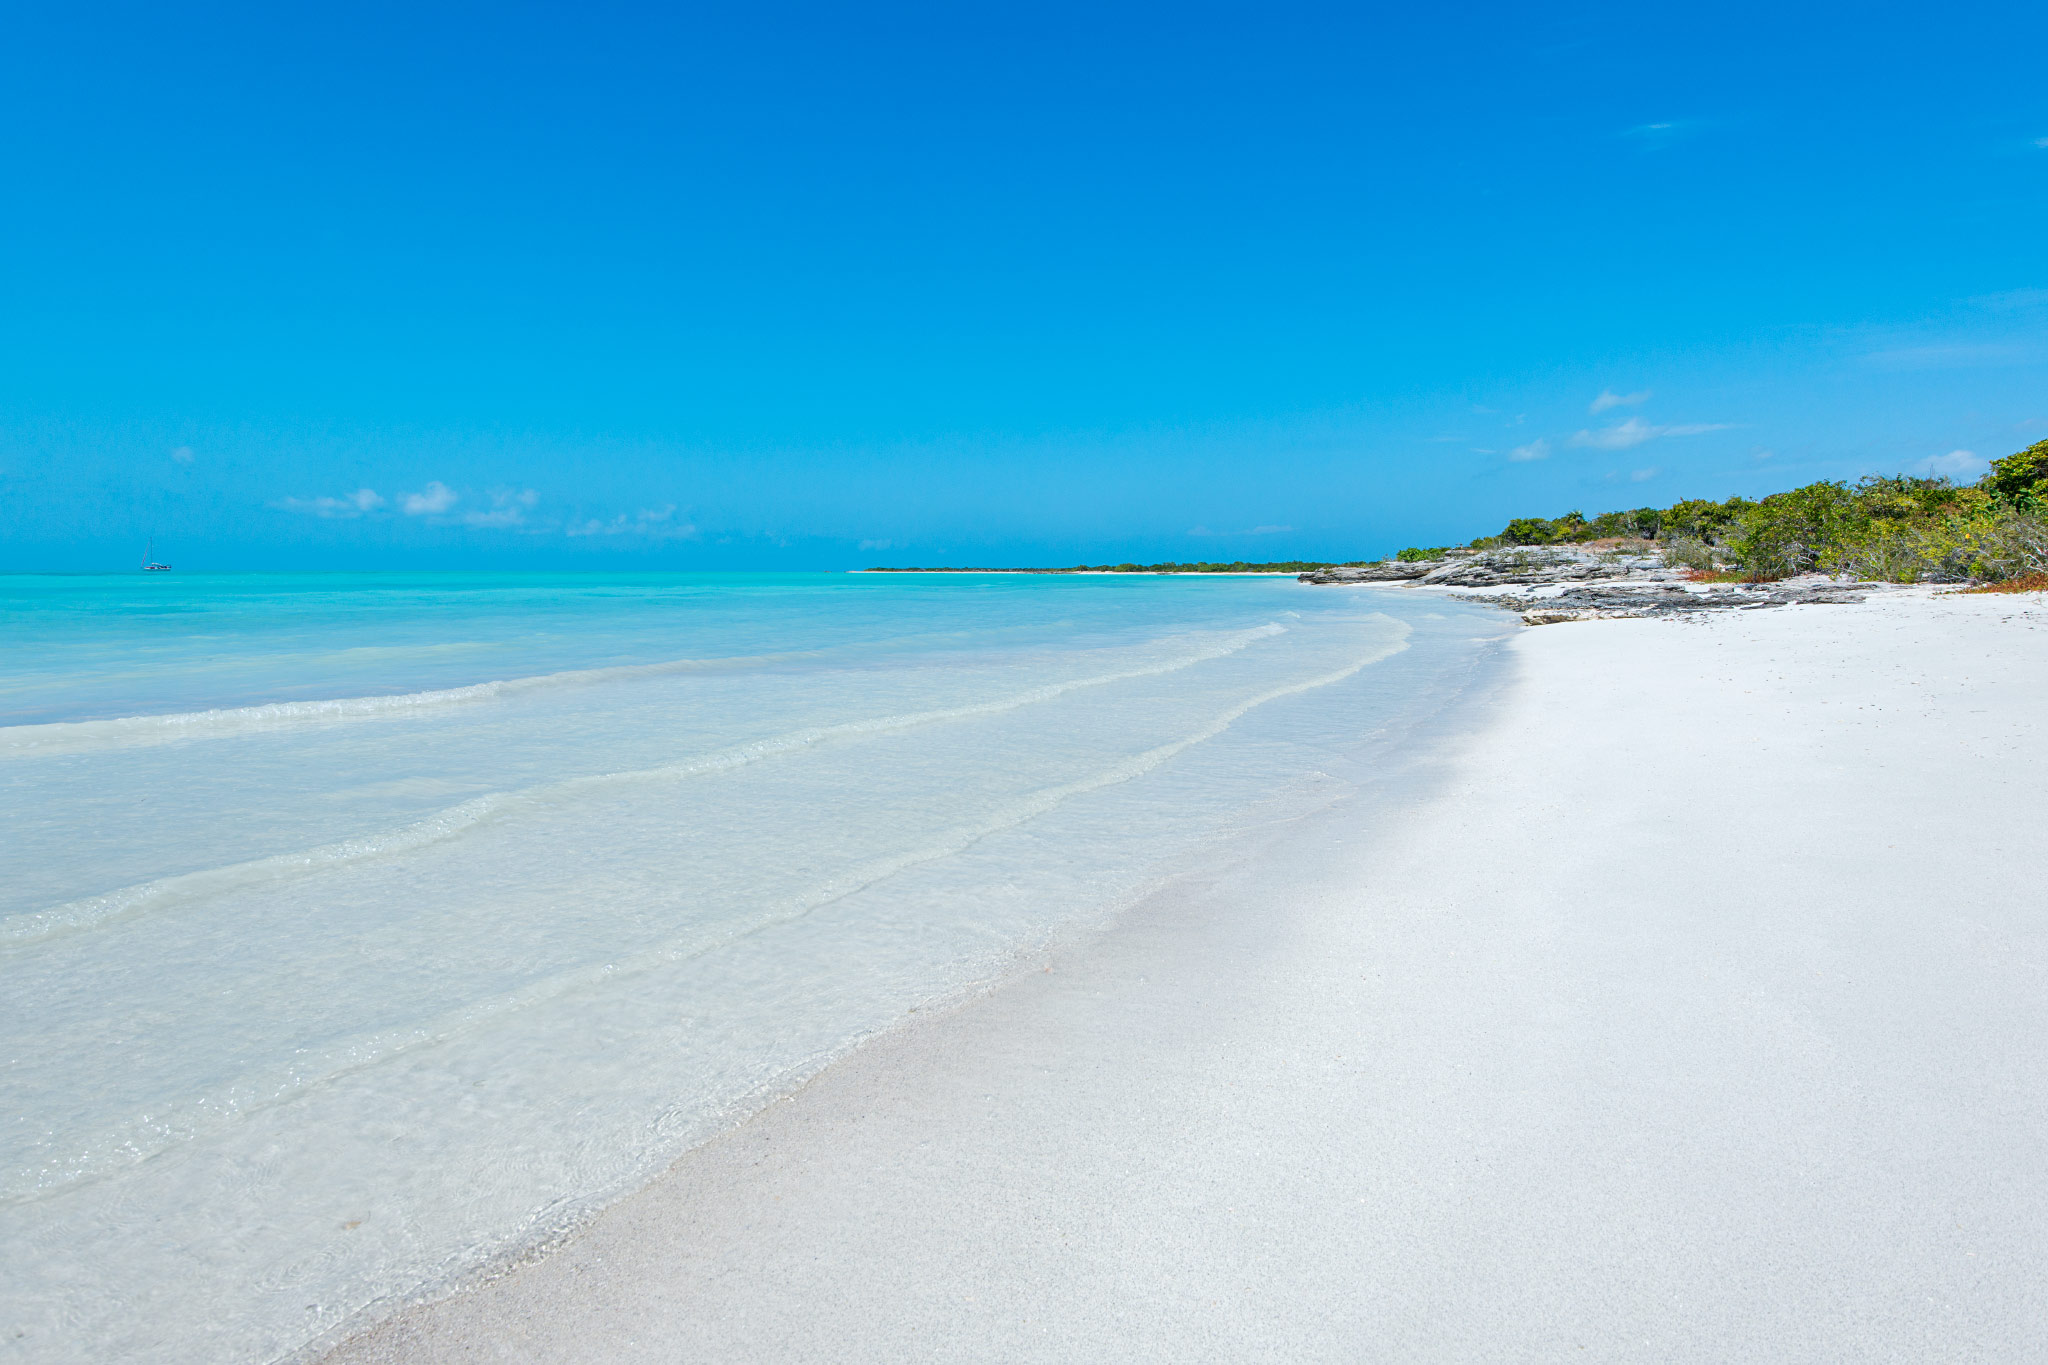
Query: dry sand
point(1692, 1006)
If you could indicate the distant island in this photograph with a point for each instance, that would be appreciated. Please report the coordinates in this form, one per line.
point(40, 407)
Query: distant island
point(1235, 566)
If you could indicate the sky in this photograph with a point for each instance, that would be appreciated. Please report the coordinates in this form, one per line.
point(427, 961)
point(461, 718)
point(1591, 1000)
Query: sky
point(790, 286)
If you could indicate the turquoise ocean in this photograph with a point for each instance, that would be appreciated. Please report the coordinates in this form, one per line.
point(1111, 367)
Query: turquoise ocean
point(359, 930)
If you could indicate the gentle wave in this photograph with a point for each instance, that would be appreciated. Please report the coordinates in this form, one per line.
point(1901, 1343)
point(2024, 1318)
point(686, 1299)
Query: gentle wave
point(149, 1135)
point(128, 732)
point(109, 907)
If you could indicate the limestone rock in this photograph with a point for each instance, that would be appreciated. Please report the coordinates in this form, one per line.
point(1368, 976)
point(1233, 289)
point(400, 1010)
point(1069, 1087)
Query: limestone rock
point(1391, 571)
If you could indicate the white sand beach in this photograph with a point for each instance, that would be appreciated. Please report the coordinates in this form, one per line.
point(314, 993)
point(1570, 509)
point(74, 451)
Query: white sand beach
point(1691, 1005)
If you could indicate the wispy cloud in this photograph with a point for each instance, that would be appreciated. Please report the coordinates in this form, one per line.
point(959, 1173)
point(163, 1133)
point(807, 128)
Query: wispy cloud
point(1635, 431)
point(654, 523)
point(1962, 356)
point(2041, 142)
point(1610, 399)
point(508, 508)
point(1957, 464)
point(1253, 531)
point(1664, 132)
point(431, 501)
point(362, 502)
point(1643, 475)
point(1538, 449)
point(183, 454)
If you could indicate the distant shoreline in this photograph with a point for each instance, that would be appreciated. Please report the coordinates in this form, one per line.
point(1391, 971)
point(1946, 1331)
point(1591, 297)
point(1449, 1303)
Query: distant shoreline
point(1234, 569)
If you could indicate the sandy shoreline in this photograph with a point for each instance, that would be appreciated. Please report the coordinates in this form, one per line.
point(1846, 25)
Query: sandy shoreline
point(1690, 1006)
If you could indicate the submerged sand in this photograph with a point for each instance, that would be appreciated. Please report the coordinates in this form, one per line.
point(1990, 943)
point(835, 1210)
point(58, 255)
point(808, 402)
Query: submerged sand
point(1692, 1005)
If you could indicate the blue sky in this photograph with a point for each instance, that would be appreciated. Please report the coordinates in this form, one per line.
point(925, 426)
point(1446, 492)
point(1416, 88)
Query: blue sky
point(804, 287)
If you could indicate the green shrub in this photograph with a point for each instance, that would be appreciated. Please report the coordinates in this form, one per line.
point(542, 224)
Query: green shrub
point(1703, 520)
point(1994, 545)
point(2020, 478)
point(2012, 544)
point(1417, 555)
point(1527, 531)
point(1687, 552)
point(1787, 533)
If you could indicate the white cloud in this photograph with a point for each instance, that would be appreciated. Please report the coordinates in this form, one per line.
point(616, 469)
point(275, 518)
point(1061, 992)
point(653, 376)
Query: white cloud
point(1254, 531)
point(1538, 449)
point(2041, 142)
point(434, 499)
point(508, 508)
point(183, 454)
point(359, 503)
point(877, 544)
point(1610, 399)
point(655, 523)
point(1960, 465)
point(1641, 475)
point(1635, 431)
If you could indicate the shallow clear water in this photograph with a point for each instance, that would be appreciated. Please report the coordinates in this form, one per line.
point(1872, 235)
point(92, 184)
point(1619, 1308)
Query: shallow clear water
point(358, 928)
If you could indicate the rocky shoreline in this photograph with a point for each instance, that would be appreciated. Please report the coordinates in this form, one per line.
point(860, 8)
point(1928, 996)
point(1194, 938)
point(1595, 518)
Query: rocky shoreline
point(1551, 584)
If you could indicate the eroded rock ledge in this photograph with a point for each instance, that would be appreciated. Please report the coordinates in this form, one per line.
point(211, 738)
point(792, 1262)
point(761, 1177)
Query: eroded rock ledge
point(1552, 584)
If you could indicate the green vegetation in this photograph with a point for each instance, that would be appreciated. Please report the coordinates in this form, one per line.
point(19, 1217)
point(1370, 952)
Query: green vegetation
point(1894, 527)
point(1418, 555)
point(2021, 479)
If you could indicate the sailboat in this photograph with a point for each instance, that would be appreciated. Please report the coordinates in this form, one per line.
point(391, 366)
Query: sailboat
point(149, 564)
